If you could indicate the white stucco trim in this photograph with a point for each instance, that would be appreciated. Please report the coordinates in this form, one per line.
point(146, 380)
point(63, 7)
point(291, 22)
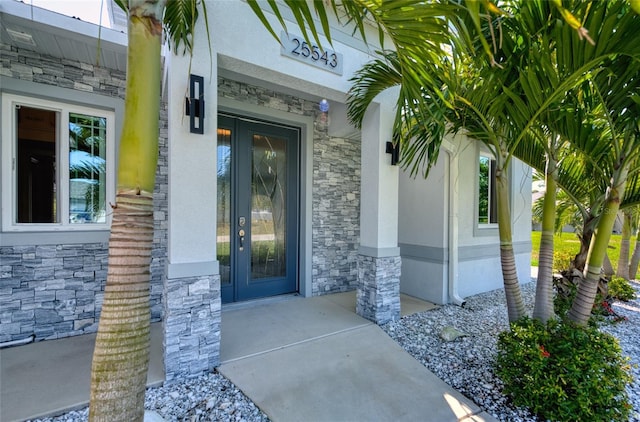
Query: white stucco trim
point(192, 269)
point(488, 229)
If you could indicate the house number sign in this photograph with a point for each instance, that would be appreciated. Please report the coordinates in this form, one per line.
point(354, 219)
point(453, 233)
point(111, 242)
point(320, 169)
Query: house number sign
point(297, 48)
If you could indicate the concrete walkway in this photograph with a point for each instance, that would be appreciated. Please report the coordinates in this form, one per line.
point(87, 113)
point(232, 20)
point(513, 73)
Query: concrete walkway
point(298, 359)
point(316, 360)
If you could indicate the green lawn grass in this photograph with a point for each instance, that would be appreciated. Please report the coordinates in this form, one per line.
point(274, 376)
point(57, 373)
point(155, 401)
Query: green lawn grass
point(567, 245)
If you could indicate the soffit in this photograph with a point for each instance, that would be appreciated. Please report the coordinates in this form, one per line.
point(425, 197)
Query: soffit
point(42, 31)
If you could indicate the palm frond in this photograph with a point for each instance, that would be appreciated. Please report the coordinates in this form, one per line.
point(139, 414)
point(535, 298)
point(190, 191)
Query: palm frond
point(179, 19)
point(372, 79)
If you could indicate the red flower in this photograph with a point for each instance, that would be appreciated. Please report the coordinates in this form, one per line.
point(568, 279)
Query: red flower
point(543, 352)
point(606, 306)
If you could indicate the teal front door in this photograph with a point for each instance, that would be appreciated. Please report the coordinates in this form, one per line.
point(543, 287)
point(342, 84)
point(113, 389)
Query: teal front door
point(257, 221)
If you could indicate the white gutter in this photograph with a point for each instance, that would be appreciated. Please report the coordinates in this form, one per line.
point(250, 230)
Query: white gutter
point(454, 297)
point(19, 342)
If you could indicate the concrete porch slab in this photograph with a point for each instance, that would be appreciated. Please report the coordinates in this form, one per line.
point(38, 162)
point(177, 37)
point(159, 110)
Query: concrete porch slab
point(354, 375)
point(270, 326)
point(52, 377)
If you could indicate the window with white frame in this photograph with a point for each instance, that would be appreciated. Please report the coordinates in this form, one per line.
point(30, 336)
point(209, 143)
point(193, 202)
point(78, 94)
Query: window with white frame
point(57, 165)
point(487, 204)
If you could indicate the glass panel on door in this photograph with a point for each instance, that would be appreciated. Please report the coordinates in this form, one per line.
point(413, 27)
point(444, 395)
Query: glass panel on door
point(223, 243)
point(268, 207)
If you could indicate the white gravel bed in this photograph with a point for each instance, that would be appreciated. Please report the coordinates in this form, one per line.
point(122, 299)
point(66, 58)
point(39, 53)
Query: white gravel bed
point(210, 397)
point(466, 363)
point(628, 334)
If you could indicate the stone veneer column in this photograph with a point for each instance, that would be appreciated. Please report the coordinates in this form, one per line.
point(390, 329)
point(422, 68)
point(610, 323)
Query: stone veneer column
point(378, 297)
point(191, 325)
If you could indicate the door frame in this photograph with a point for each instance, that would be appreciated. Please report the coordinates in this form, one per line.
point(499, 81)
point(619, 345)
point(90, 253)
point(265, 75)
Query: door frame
point(306, 126)
point(244, 283)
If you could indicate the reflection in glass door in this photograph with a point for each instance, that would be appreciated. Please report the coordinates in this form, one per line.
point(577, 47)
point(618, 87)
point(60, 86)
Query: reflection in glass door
point(257, 236)
point(223, 244)
point(268, 207)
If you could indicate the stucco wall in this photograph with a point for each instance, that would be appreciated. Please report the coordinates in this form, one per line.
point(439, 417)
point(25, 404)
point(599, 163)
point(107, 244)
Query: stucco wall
point(53, 287)
point(425, 217)
point(423, 232)
point(423, 210)
point(479, 254)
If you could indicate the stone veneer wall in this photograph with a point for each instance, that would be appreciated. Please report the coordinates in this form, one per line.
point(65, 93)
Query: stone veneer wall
point(336, 215)
point(335, 195)
point(191, 326)
point(378, 297)
point(54, 291)
point(160, 219)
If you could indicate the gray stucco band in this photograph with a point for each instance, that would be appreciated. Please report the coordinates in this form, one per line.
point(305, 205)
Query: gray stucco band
point(378, 252)
point(192, 310)
point(424, 253)
point(53, 238)
point(475, 252)
point(378, 294)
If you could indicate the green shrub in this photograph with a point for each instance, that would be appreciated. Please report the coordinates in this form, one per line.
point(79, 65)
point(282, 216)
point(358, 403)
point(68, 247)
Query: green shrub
point(621, 289)
point(562, 259)
point(565, 292)
point(562, 372)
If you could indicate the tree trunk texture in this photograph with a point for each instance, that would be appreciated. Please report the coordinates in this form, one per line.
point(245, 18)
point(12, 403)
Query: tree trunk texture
point(515, 304)
point(582, 305)
point(623, 259)
point(543, 308)
point(121, 354)
point(580, 260)
point(607, 268)
point(635, 259)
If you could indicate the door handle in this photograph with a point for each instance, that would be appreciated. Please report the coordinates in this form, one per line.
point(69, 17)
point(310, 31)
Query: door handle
point(241, 238)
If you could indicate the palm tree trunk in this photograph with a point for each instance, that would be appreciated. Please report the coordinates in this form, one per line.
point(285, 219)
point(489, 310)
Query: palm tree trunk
point(543, 309)
point(607, 268)
point(623, 259)
point(121, 354)
point(583, 303)
point(515, 304)
point(580, 260)
point(635, 258)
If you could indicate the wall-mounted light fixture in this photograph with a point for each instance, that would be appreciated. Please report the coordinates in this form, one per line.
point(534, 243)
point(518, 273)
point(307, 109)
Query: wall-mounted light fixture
point(323, 106)
point(394, 150)
point(195, 104)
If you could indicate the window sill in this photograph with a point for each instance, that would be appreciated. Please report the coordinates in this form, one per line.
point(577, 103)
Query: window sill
point(58, 237)
point(480, 230)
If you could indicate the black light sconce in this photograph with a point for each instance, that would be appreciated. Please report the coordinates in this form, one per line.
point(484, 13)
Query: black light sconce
point(195, 104)
point(394, 150)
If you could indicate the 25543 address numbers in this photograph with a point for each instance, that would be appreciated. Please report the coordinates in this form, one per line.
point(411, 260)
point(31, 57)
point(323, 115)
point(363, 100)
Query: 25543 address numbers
point(297, 48)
